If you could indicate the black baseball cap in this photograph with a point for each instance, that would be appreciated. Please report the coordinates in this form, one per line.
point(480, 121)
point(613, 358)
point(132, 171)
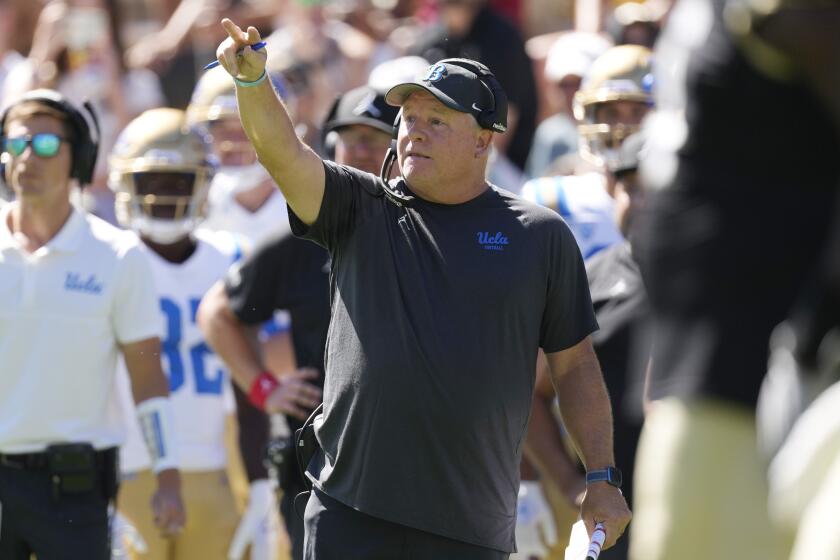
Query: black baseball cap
point(461, 84)
point(362, 105)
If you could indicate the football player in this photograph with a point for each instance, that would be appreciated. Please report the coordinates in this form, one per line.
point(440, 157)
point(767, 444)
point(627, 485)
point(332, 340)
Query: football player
point(614, 97)
point(245, 201)
point(160, 172)
point(243, 198)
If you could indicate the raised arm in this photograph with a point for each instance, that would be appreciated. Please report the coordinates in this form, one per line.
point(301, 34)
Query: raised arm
point(587, 415)
point(294, 166)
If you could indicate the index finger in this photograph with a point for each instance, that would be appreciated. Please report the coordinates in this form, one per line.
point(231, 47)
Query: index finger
point(235, 32)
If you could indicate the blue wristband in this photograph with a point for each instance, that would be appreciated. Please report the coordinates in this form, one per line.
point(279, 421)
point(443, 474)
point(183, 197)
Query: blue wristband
point(256, 82)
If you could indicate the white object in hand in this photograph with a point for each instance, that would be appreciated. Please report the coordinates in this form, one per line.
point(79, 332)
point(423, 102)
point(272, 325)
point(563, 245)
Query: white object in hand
point(535, 527)
point(581, 547)
point(259, 526)
point(125, 537)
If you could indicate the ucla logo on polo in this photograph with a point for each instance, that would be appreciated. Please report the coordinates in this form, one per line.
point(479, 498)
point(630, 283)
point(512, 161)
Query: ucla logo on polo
point(74, 282)
point(436, 73)
point(492, 242)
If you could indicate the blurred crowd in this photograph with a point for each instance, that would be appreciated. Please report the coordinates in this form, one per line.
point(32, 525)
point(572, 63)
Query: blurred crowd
point(579, 77)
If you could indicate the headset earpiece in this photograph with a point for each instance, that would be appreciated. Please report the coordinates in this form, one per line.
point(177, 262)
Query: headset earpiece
point(391, 154)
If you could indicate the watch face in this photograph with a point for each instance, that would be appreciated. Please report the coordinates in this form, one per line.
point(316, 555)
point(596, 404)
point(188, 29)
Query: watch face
point(615, 477)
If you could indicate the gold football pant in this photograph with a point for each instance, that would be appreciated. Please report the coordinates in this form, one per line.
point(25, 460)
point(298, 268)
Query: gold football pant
point(700, 487)
point(211, 516)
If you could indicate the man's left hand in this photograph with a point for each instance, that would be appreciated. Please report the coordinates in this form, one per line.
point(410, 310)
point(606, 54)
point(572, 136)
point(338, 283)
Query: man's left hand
point(605, 504)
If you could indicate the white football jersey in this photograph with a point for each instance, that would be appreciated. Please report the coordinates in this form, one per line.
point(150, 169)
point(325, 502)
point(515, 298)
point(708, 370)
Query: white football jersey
point(585, 205)
point(199, 385)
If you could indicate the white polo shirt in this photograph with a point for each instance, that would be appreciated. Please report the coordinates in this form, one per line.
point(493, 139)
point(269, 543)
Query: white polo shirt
point(63, 311)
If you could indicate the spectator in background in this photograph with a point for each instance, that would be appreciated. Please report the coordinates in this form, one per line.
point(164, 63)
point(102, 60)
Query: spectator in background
point(471, 29)
point(9, 57)
point(568, 61)
point(77, 49)
point(635, 23)
point(243, 198)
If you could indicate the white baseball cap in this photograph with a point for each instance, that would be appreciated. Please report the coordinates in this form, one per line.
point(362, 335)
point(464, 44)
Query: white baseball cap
point(386, 75)
point(572, 54)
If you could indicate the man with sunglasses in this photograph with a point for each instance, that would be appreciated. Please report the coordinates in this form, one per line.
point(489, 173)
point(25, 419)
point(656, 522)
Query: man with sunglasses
point(75, 292)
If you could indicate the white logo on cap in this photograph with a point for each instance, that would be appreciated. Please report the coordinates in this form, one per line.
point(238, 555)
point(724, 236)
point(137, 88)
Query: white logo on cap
point(366, 106)
point(477, 108)
point(436, 73)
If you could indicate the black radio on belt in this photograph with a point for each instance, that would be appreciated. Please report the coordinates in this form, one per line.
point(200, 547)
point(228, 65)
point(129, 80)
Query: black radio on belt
point(72, 468)
point(77, 468)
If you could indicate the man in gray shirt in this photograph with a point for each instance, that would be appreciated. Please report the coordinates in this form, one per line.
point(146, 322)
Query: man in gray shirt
point(443, 289)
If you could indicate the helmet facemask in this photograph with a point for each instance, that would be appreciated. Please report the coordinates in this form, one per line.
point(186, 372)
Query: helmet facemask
point(163, 206)
point(160, 172)
point(613, 98)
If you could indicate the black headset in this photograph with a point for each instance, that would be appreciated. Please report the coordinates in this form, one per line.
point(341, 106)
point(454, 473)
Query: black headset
point(84, 146)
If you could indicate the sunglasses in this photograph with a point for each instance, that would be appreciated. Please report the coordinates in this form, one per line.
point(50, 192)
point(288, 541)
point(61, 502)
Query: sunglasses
point(44, 144)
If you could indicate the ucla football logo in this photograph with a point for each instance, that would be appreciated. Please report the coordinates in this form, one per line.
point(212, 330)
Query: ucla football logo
point(436, 73)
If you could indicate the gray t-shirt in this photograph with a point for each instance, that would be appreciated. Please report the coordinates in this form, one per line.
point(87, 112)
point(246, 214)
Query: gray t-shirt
point(437, 313)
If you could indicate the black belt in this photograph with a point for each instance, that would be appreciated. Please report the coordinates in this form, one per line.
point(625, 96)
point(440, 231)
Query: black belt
point(23, 460)
point(38, 460)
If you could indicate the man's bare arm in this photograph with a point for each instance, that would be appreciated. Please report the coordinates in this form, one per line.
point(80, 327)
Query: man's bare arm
point(587, 415)
point(237, 345)
point(234, 342)
point(584, 403)
point(294, 166)
point(142, 360)
point(544, 445)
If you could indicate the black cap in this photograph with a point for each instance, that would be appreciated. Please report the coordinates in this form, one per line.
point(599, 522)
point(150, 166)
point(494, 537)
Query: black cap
point(461, 84)
point(363, 105)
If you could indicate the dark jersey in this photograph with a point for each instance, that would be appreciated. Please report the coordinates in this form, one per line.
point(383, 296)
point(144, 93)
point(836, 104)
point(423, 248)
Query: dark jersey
point(437, 314)
point(734, 233)
point(292, 274)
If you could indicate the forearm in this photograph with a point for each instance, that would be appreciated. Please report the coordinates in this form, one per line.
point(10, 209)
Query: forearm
point(295, 168)
point(585, 407)
point(544, 447)
point(254, 433)
point(234, 342)
point(142, 360)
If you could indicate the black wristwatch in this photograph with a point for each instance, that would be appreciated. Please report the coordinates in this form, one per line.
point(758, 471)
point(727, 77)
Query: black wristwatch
point(610, 475)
